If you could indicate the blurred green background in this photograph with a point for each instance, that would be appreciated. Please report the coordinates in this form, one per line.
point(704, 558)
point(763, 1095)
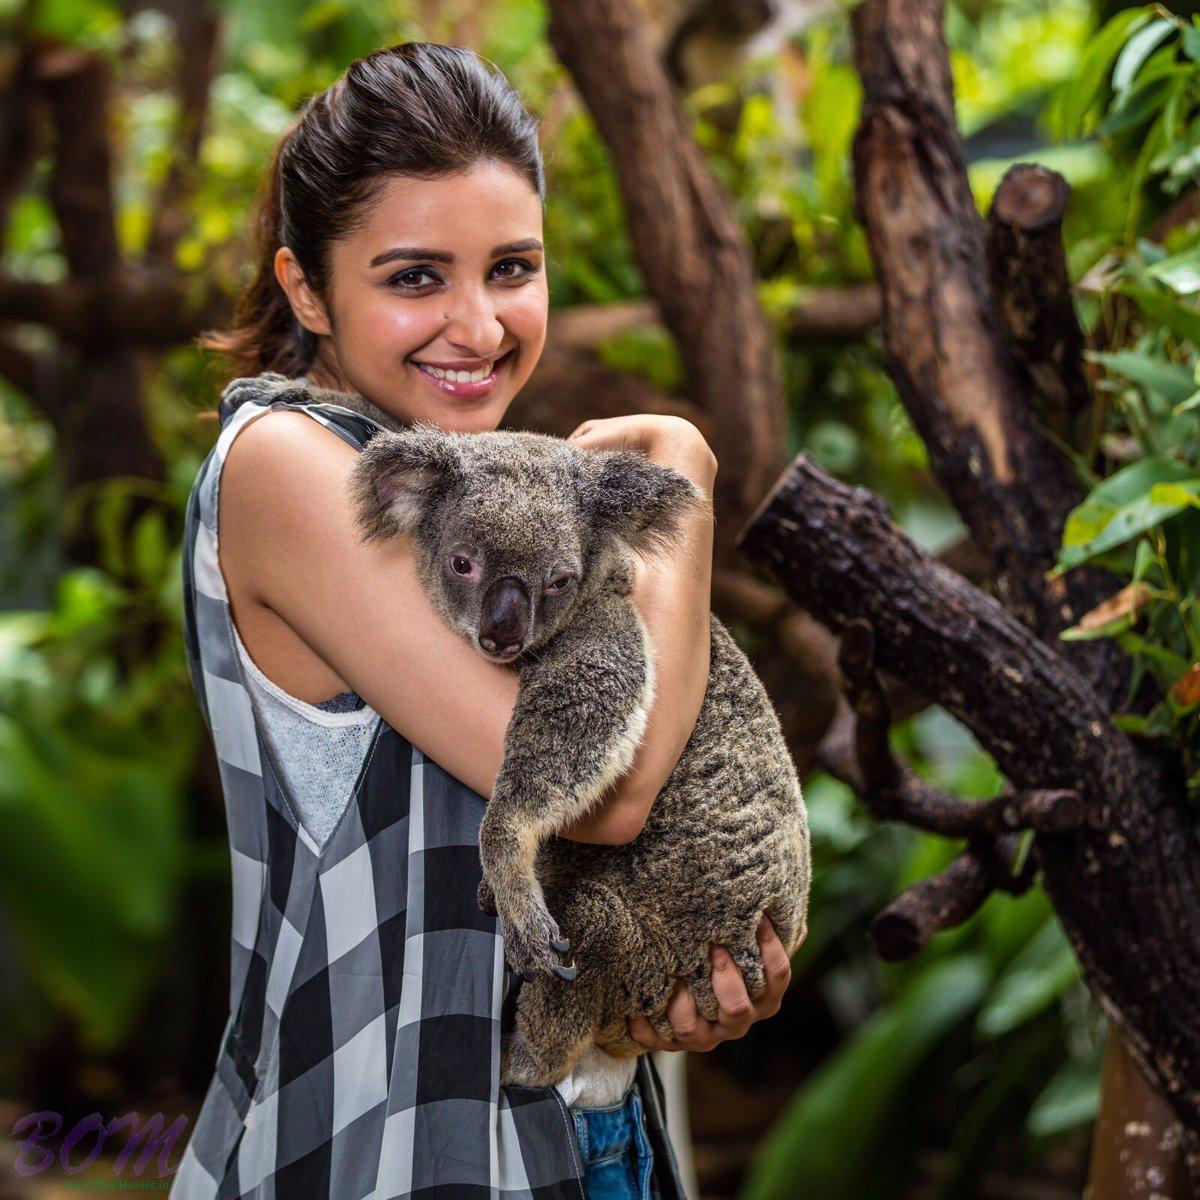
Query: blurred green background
point(972, 1071)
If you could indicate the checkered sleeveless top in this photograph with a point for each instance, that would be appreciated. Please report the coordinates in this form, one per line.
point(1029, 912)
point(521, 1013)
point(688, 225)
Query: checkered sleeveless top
point(361, 1057)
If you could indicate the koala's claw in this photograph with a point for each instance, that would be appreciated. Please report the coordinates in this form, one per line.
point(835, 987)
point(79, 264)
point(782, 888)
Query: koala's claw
point(532, 945)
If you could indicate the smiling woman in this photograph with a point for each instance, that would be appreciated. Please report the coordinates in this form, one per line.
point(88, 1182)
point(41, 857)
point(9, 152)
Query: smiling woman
point(453, 334)
point(402, 261)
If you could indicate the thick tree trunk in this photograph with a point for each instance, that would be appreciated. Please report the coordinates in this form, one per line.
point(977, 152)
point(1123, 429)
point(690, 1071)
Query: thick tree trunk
point(1135, 1144)
point(944, 340)
point(97, 410)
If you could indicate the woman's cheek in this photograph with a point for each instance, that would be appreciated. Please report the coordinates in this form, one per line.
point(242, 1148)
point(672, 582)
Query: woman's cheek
point(525, 317)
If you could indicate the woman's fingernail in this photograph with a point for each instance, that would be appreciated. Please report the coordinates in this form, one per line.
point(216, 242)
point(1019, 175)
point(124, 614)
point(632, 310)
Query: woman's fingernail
point(720, 956)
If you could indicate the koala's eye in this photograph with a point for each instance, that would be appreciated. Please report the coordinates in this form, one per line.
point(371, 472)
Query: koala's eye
point(460, 564)
point(559, 584)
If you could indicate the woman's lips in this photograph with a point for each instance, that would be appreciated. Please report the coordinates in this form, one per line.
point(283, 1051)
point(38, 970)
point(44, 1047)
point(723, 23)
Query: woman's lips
point(465, 391)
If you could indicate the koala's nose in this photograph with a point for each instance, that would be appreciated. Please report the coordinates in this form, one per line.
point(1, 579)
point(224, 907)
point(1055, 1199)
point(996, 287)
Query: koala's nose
point(505, 622)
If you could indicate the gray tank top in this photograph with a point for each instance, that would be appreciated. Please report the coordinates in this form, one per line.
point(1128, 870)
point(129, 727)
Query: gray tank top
point(318, 749)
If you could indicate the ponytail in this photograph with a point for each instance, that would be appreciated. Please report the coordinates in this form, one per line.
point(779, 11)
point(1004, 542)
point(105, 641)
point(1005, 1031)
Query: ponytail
point(266, 335)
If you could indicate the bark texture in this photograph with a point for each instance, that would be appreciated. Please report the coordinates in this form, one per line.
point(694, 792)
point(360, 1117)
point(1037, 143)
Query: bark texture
point(1028, 269)
point(687, 242)
point(1125, 882)
point(944, 341)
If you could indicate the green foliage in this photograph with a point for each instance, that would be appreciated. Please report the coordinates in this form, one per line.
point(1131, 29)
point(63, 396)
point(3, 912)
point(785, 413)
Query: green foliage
point(1137, 87)
point(98, 725)
point(827, 1143)
point(97, 739)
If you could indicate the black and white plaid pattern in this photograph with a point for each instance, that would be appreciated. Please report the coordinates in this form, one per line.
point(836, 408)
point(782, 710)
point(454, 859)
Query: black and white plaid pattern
point(361, 1056)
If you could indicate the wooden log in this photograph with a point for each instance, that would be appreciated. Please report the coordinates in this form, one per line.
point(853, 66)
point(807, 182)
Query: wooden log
point(1028, 269)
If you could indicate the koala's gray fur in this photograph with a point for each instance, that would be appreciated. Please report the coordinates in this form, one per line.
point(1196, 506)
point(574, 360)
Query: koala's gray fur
point(726, 839)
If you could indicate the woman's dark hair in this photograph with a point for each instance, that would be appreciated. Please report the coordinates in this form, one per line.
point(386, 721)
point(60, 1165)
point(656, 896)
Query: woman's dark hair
point(417, 109)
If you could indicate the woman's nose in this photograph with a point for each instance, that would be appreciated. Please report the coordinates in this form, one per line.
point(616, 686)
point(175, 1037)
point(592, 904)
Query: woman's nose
point(472, 324)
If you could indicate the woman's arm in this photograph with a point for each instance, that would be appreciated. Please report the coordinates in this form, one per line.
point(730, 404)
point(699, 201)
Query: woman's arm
point(672, 593)
point(288, 543)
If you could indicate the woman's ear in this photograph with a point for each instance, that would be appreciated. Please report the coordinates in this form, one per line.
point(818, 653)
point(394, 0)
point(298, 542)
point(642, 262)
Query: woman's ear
point(306, 304)
point(398, 475)
point(639, 501)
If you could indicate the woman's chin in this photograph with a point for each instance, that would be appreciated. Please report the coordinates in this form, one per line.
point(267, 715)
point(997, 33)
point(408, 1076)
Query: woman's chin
point(480, 417)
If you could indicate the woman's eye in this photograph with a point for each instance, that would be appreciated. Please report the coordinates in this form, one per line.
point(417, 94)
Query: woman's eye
point(409, 279)
point(460, 564)
point(525, 268)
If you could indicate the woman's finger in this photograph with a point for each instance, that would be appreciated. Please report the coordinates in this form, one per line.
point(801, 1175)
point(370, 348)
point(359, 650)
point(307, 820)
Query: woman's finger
point(737, 1012)
point(683, 1015)
point(692, 1031)
point(643, 1033)
point(777, 969)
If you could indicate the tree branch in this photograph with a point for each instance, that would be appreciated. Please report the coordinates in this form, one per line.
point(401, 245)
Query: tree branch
point(826, 314)
point(153, 309)
point(943, 338)
point(893, 792)
point(689, 246)
point(1028, 269)
point(198, 49)
point(1133, 864)
point(949, 898)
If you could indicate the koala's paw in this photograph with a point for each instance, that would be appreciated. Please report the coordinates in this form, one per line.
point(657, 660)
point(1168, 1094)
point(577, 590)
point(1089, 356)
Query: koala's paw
point(267, 387)
point(485, 897)
point(533, 943)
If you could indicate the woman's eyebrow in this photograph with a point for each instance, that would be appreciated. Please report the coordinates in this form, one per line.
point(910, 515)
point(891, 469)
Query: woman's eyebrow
point(419, 252)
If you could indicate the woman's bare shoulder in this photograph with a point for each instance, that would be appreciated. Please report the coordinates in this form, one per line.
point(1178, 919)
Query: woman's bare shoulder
point(288, 543)
point(284, 478)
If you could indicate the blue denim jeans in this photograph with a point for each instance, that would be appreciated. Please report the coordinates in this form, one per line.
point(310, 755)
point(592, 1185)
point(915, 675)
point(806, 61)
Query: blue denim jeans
point(617, 1159)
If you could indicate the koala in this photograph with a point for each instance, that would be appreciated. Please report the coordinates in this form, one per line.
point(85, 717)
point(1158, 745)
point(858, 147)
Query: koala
point(524, 546)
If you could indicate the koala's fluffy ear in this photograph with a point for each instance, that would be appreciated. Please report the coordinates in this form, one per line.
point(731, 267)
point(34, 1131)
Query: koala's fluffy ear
point(398, 474)
point(637, 500)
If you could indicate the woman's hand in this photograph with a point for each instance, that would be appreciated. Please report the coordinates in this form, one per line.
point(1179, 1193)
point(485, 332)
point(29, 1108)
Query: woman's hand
point(669, 441)
point(737, 1011)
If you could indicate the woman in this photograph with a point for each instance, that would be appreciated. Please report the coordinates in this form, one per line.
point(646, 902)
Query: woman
point(402, 259)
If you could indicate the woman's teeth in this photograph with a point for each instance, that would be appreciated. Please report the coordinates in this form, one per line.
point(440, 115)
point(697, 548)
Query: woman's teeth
point(457, 376)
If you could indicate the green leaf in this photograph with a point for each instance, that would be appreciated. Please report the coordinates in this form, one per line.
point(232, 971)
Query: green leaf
point(1174, 383)
point(1191, 42)
point(150, 549)
point(1132, 110)
point(1137, 50)
point(1158, 722)
point(1180, 272)
point(830, 1132)
point(1126, 504)
point(1091, 635)
point(1041, 973)
point(1070, 1099)
point(1080, 93)
point(1181, 319)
